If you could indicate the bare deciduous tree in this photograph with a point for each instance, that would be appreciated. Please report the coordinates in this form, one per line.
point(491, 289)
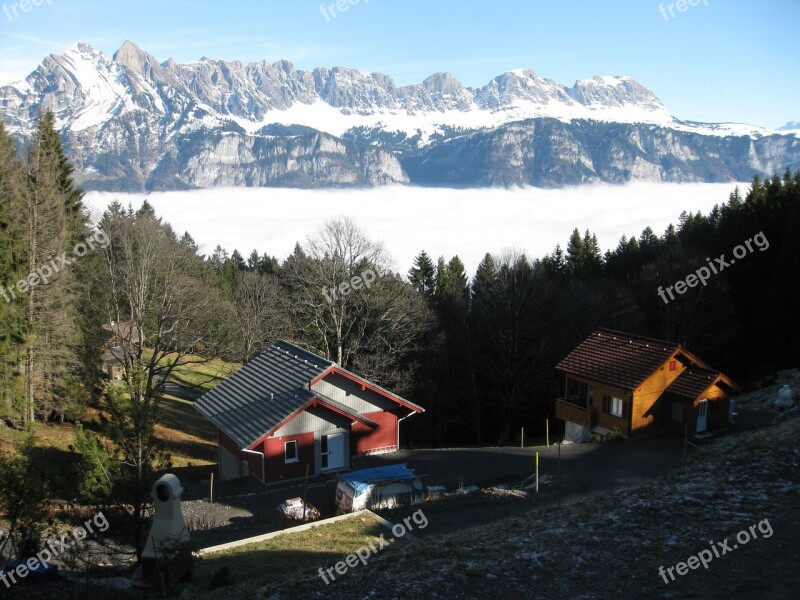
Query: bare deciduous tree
point(260, 315)
point(164, 317)
point(348, 305)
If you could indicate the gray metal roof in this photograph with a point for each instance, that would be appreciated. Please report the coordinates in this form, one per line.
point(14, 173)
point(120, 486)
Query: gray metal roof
point(391, 395)
point(345, 409)
point(263, 393)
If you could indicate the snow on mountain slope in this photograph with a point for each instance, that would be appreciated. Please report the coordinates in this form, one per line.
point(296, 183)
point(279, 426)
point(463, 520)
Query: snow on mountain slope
point(336, 100)
point(130, 122)
point(98, 85)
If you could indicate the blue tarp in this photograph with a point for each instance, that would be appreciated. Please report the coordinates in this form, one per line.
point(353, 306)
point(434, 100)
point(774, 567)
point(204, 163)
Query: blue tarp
point(362, 480)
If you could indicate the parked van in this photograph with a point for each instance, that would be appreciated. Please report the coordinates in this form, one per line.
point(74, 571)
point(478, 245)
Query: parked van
point(379, 487)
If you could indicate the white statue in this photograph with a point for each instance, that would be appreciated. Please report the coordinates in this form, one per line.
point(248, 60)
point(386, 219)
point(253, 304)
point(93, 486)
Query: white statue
point(785, 398)
point(167, 547)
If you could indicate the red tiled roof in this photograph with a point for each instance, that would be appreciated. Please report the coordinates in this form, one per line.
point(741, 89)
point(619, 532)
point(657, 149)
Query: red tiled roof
point(617, 358)
point(693, 382)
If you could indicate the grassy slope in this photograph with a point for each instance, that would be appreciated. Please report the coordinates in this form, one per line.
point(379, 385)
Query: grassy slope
point(287, 558)
point(187, 436)
point(203, 374)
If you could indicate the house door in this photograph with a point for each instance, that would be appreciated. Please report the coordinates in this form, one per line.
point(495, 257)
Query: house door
point(333, 450)
point(702, 415)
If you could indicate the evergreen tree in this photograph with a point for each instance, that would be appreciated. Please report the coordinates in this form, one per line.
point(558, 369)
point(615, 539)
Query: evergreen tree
point(575, 252)
point(422, 275)
point(188, 242)
point(583, 254)
point(253, 260)
point(13, 202)
point(268, 265)
point(238, 261)
point(443, 376)
point(55, 224)
point(555, 263)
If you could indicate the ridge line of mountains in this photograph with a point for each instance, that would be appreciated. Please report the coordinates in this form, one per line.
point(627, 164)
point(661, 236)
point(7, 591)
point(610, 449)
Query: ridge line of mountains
point(130, 123)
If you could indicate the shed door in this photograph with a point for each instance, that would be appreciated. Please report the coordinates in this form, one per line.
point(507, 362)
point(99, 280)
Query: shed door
point(333, 449)
point(702, 415)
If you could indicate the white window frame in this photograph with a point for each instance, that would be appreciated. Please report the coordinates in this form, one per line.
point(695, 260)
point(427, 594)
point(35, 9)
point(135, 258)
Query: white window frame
point(286, 458)
point(324, 453)
point(615, 406)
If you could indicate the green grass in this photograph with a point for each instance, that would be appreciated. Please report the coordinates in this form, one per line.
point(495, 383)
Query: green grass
point(197, 372)
point(190, 438)
point(290, 557)
point(203, 374)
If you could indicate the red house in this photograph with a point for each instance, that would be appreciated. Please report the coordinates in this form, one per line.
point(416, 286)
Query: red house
point(289, 408)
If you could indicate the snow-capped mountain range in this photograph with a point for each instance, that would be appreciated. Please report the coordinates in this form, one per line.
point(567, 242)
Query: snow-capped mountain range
point(132, 123)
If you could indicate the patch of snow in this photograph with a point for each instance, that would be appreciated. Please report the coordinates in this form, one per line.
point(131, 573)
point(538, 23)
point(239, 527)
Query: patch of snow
point(99, 80)
point(324, 117)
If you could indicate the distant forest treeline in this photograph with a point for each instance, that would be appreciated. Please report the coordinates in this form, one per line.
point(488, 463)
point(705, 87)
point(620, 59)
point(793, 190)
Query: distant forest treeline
point(477, 352)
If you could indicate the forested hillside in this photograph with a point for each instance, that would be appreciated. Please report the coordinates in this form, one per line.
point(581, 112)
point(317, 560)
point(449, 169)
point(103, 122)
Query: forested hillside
point(478, 347)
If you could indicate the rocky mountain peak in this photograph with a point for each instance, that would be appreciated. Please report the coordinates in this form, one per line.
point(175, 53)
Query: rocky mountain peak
point(134, 123)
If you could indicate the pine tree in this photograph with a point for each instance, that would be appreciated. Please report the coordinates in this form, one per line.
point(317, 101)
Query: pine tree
point(423, 275)
point(188, 242)
point(555, 263)
point(583, 254)
point(12, 250)
point(253, 260)
point(238, 261)
point(575, 253)
point(55, 224)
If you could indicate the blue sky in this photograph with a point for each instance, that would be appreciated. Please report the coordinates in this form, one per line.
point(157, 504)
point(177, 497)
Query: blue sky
point(722, 60)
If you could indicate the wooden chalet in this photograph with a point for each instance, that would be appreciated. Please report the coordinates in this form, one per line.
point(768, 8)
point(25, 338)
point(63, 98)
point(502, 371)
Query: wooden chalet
point(637, 385)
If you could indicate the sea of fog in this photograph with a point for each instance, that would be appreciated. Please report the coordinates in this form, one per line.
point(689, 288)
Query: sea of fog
point(443, 222)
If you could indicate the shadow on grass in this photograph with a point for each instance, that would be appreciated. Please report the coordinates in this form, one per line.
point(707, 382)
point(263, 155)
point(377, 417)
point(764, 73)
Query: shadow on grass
point(63, 470)
point(191, 450)
point(182, 417)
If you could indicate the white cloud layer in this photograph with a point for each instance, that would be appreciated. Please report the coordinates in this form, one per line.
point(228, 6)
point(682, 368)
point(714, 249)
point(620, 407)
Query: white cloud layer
point(467, 222)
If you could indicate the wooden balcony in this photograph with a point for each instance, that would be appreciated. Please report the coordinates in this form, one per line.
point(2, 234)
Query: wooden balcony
point(574, 413)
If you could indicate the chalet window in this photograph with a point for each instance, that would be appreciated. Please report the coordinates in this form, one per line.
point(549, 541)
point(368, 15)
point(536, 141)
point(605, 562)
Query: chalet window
point(677, 412)
point(323, 450)
point(573, 388)
point(290, 452)
point(579, 392)
point(614, 406)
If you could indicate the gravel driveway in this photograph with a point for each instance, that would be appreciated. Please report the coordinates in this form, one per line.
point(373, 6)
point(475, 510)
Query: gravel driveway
point(247, 508)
